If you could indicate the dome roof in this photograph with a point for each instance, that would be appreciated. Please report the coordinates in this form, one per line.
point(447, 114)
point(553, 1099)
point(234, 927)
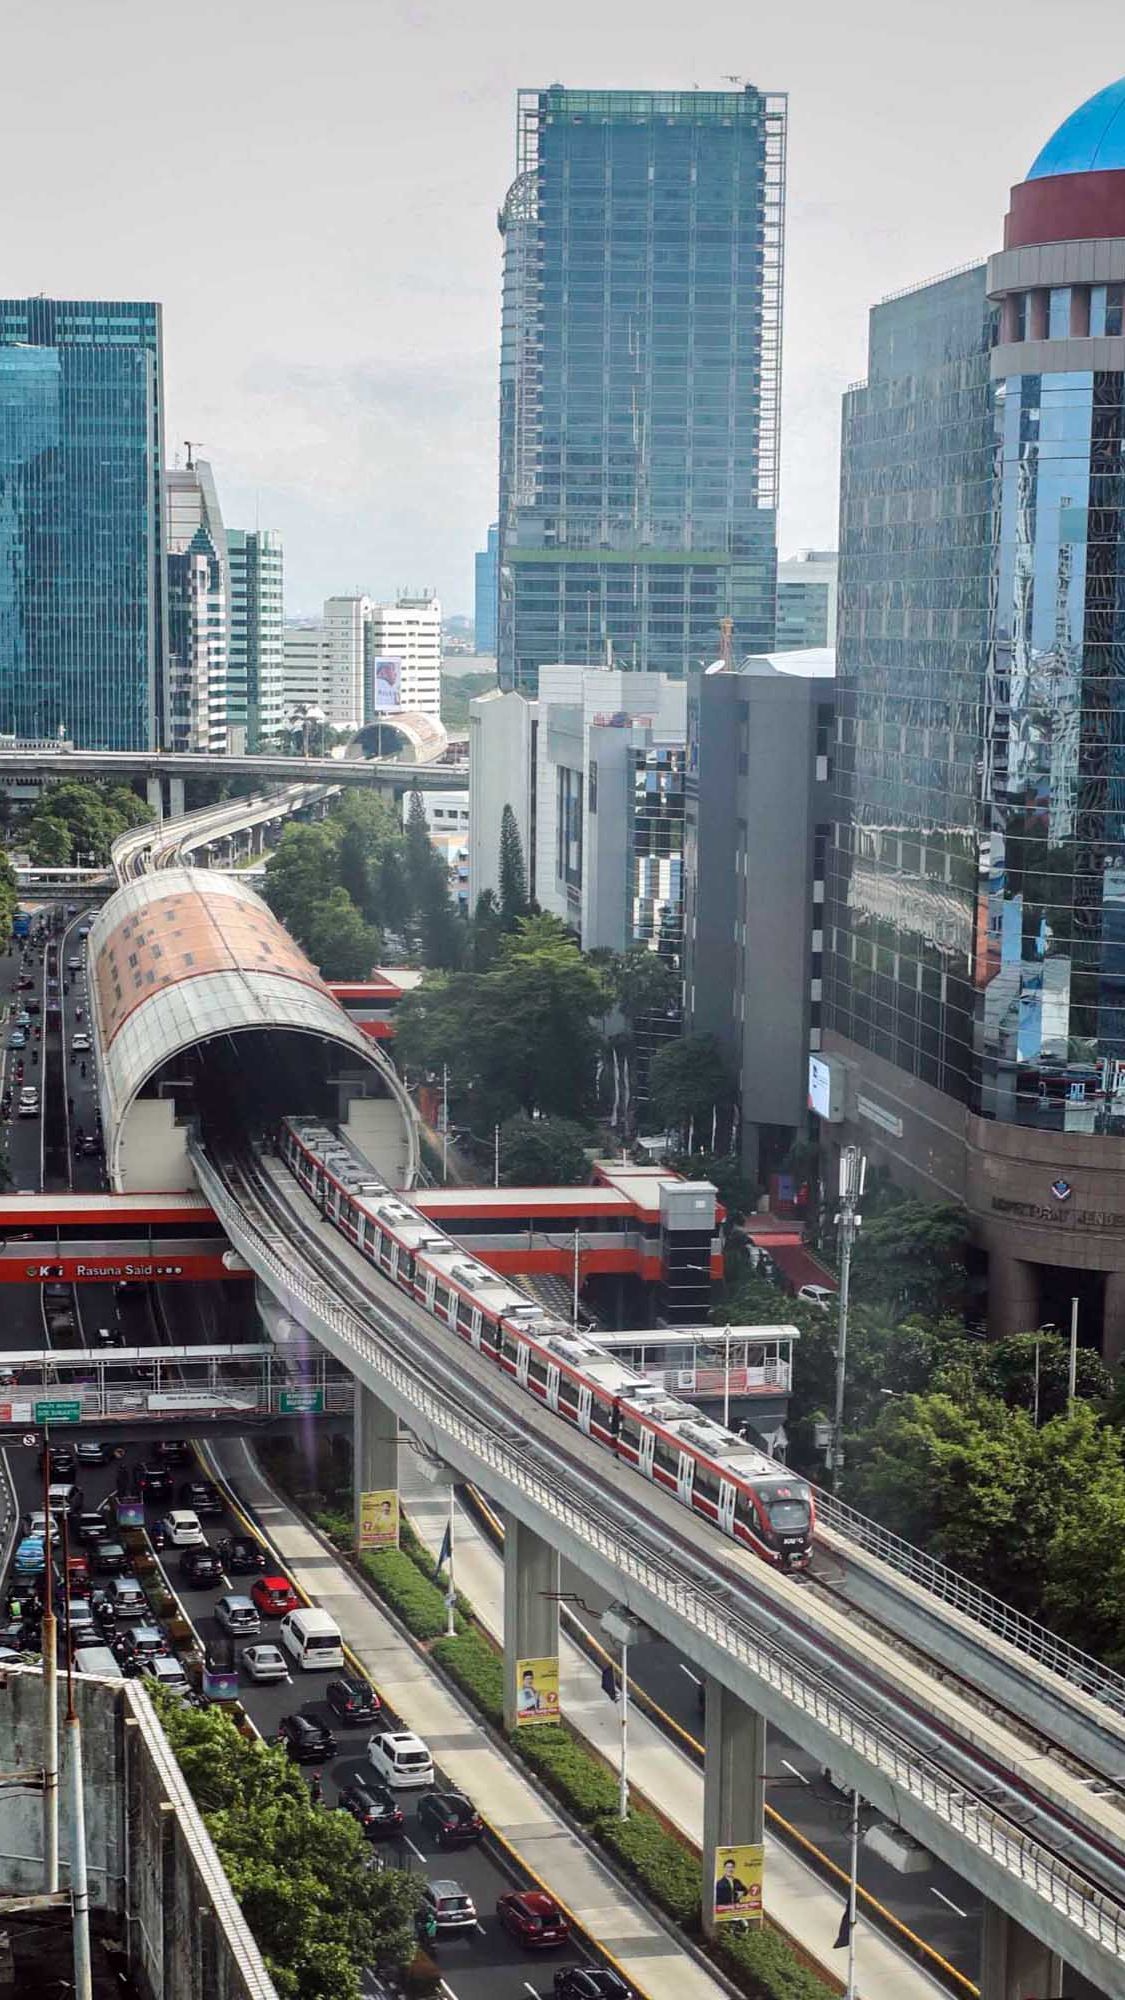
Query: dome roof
point(1091, 140)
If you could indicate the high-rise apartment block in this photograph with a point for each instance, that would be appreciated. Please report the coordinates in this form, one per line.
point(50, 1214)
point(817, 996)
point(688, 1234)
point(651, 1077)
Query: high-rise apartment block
point(255, 676)
point(976, 956)
point(83, 641)
point(806, 600)
point(198, 576)
point(639, 379)
point(487, 577)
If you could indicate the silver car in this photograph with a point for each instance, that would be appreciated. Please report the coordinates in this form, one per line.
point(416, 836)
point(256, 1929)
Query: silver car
point(238, 1616)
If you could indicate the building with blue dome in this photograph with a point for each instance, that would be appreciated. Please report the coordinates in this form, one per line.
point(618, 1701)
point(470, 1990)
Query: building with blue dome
point(974, 993)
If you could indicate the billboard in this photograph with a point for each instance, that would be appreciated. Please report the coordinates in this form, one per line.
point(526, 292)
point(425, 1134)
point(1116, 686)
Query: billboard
point(378, 1519)
point(537, 1691)
point(386, 685)
point(826, 1089)
point(738, 1883)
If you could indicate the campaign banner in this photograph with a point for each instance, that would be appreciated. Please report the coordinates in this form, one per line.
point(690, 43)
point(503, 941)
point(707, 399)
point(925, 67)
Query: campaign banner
point(738, 1883)
point(378, 1519)
point(386, 682)
point(537, 1691)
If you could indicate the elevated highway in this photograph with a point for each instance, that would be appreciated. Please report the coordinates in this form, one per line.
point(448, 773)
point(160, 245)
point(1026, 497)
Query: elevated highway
point(379, 774)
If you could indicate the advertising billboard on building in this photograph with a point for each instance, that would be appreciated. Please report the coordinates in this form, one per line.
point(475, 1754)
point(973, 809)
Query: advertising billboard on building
point(537, 1691)
point(378, 1519)
point(826, 1089)
point(386, 685)
point(738, 1883)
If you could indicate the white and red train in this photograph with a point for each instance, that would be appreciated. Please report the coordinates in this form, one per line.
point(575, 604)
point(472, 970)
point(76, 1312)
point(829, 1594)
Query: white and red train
point(745, 1493)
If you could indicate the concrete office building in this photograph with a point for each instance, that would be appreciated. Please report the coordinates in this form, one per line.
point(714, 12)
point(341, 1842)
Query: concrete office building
point(639, 378)
point(976, 964)
point(303, 667)
point(409, 632)
point(503, 746)
point(806, 600)
point(487, 573)
point(83, 638)
point(345, 627)
point(758, 819)
point(255, 672)
point(198, 584)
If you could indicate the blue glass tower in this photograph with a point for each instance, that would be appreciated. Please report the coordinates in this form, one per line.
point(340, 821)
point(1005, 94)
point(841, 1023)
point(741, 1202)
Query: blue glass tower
point(484, 621)
point(82, 616)
point(640, 360)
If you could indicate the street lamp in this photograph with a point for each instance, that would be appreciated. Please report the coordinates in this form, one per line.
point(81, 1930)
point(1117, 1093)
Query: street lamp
point(853, 1175)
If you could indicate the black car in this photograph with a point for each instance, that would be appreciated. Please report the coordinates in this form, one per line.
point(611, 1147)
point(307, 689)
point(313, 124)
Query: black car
point(91, 1451)
point(452, 1819)
point(201, 1566)
point(110, 1558)
point(109, 1336)
point(306, 1739)
point(173, 1451)
point(154, 1482)
point(201, 1497)
point(63, 1465)
point(352, 1699)
point(91, 1529)
point(242, 1555)
point(373, 1807)
point(590, 1982)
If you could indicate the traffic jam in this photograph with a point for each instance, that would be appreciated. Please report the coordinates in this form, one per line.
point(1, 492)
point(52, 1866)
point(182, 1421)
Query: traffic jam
point(155, 1572)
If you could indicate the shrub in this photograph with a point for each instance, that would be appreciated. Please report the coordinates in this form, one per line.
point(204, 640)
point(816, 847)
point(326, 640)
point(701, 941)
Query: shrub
point(477, 1668)
point(660, 1863)
point(419, 1602)
point(764, 1964)
point(584, 1786)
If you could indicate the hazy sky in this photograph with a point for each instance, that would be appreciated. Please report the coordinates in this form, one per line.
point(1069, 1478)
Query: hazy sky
point(311, 190)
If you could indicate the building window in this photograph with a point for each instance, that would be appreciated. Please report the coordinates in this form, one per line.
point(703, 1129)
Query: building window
point(1106, 312)
point(1058, 313)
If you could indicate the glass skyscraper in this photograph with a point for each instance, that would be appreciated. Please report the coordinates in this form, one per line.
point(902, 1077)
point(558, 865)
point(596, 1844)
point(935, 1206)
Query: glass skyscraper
point(976, 954)
point(640, 364)
point(82, 613)
point(256, 668)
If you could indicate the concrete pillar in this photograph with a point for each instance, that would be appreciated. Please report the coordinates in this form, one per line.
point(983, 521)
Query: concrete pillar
point(1079, 312)
point(1009, 317)
point(531, 1606)
point(155, 796)
point(374, 1449)
point(1038, 303)
point(1013, 1295)
point(1013, 1964)
point(734, 1788)
point(176, 805)
point(1113, 1319)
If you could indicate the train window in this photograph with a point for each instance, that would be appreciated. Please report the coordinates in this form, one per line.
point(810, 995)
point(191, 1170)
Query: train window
point(630, 1433)
point(665, 1455)
point(568, 1395)
point(706, 1480)
point(509, 1345)
point(465, 1312)
point(439, 1297)
point(536, 1366)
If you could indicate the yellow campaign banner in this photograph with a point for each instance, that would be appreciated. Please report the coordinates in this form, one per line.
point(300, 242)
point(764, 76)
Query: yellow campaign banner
point(378, 1519)
point(738, 1884)
point(537, 1691)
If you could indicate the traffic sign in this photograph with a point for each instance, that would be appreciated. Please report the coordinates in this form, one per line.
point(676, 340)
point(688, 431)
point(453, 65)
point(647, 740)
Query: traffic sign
point(302, 1403)
point(59, 1410)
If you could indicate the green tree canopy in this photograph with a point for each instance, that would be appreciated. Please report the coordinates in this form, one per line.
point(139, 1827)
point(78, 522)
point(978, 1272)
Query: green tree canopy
point(514, 902)
point(642, 983)
point(687, 1080)
point(543, 1152)
point(338, 940)
point(91, 816)
point(49, 842)
point(910, 1255)
point(301, 1873)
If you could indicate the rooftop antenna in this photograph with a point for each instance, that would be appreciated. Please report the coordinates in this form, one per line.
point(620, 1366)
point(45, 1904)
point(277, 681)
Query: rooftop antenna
point(728, 78)
point(190, 445)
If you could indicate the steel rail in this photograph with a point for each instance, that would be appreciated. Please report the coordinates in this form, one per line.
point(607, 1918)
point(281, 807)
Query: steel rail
point(1097, 1916)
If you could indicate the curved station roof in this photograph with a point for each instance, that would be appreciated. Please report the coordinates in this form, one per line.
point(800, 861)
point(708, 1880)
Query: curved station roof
point(183, 955)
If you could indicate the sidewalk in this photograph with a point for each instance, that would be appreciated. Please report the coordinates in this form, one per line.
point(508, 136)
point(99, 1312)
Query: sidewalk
point(800, 1902)
point(648, 1955)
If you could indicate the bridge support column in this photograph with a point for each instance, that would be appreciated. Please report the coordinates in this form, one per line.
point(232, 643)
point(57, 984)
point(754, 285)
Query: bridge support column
point(375, 1450)
point(154, 793)
point(531, 1609)
point(734, 1789)
point(176, 803)
point(1013, 1964)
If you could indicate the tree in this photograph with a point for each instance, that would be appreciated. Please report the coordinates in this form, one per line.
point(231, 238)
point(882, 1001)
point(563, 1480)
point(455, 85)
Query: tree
point(543, 1152)
point(514, 902)
point(910, 1255)
point(338, 940)
point(687, 1080)
point(644, 984)
point(49, 843)
point(736, 1191)
point(948, 1475)
point(301, 872)
point(320, 1915)
point(486, 932)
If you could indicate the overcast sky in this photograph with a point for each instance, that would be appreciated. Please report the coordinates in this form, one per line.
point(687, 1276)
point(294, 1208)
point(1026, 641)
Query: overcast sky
point(311, 191)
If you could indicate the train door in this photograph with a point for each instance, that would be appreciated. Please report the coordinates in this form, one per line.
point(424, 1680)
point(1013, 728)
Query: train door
point(552, 1386)
point(451, 1310)
point(727, 1496)
point(685, 1476)
point(474, 1326)
point(585, 1399)
point(648, 1447)
point(523, 1362)
point(394, 1260)
point(430, 1289)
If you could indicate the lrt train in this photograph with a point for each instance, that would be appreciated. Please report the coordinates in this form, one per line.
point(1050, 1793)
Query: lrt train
point(746, 1494)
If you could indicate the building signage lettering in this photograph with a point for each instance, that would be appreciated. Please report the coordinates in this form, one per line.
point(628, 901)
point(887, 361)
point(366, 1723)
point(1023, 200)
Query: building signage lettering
point(875, 1115)
point(1062, 1218)
point(145, 1268)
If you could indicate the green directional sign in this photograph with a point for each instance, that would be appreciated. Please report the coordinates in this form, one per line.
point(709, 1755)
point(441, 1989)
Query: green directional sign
point(302, 1402)
point(59, 1410)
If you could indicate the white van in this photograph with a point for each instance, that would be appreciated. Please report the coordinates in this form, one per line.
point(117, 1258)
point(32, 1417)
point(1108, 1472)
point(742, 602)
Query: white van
point(97, 1660)
point(311, 1639)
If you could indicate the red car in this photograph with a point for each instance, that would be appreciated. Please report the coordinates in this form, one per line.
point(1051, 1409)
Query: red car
point(274, 1595)
point(532, 1918)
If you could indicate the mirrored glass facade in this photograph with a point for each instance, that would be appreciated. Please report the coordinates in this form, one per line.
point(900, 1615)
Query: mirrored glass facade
point(640, 361)
point(82, 644)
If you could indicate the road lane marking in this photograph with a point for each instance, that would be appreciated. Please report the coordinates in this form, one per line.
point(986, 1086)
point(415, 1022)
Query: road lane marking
point(690, 1675)
point(948, 1900)
point(415, 1850)
point(796, 1773)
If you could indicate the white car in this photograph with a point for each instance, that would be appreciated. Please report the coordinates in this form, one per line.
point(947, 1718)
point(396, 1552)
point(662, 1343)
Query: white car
point(817, 1295)
point(264, 1663)
point(182, 1530)
point(29, 1106)
point(80, 1043)
point(168, 1670)
point(400, 1758)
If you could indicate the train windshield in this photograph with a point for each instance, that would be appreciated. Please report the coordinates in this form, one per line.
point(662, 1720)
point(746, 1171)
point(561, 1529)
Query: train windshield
point(789, 1516)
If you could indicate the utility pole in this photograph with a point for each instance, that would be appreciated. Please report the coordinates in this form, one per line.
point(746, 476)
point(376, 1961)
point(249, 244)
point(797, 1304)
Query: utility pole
point(853, 1174)
point(496, 1156)
point(50, 1699)
point(445, 1123)
point(79, 1883)
point(853, 1879)
point(451, 1587)
point(1072, 1387)
point(577, 1279)
point(726, 1376)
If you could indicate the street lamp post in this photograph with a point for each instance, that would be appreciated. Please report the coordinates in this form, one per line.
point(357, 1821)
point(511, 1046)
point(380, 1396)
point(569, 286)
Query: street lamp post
point(853, 1878)
point(726, 1376)
point(1072, 1383)
point(853, 1174)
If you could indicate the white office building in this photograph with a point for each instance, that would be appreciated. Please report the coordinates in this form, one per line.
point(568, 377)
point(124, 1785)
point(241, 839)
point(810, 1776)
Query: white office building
point(198, 610)
point(302, 667)
point(409, 631)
